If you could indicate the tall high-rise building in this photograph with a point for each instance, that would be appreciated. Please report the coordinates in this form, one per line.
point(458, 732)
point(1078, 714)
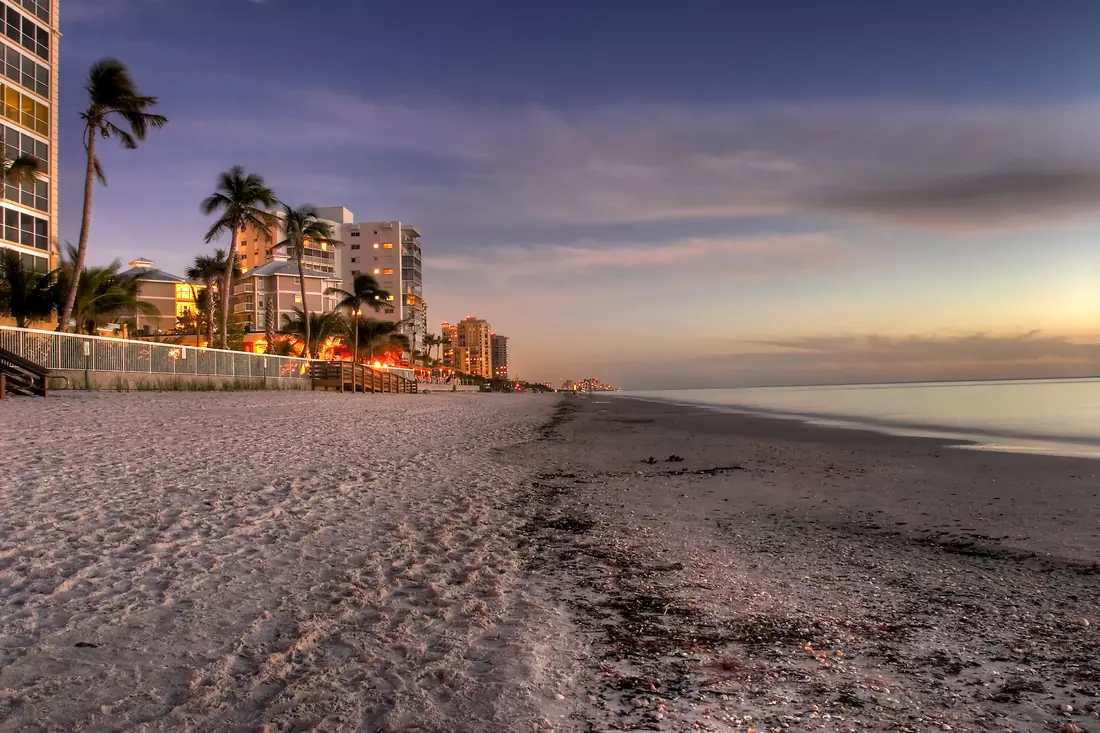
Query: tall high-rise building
point(449, 334)
point(499, 349)
point(388, 251)
point(473, 347)
point(29, 39)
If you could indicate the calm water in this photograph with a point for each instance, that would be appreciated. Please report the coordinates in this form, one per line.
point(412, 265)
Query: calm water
point(1059, 416)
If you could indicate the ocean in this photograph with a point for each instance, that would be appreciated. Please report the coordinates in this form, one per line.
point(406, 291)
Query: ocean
point(1055, 416)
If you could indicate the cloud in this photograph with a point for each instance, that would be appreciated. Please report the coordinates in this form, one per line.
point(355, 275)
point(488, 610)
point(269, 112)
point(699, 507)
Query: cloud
point(992, 199)
point(702, 256)
point(929, 165)
point(878, 358)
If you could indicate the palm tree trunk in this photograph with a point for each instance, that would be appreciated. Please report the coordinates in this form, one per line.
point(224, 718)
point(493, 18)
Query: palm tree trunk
point(270, 314)
point(302, 283)
point(227, 285)
point(82, 242)
point(355, 352)
point(209, 296)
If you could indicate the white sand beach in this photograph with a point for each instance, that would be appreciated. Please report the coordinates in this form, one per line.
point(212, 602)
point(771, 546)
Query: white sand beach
point(433, 563)
point(199, 561)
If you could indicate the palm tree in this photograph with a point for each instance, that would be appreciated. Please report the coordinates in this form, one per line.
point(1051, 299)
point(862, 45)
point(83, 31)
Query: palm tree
point(112, 94)
point(25, 294)
point(303, 226)
point(431, 340)
point(312, 330)
point(242, 200)
point(100, 293)
point(208, 269)
point(364, 292)
point(23, 169)
point(377, 335)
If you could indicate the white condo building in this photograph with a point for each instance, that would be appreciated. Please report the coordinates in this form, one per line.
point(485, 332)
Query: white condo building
point(29, 39)
point(390, 252)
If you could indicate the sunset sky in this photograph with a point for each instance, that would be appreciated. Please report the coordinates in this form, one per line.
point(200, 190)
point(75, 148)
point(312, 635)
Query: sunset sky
point(661, 194)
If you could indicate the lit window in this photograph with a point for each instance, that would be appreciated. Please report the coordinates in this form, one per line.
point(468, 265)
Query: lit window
point(389, 297)
point(387, 245)
point(376, 271)
point(184, 292)
point(387, 271)
point(376, 245)
point(297, 299)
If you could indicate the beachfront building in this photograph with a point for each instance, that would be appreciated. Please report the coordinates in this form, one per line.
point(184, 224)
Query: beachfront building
point(172, 296)
point(257, 247)
point(280, 281)
point(29, 37)
point(390, 252)
point(449, 334)
point(473, 347)
point(498, 347)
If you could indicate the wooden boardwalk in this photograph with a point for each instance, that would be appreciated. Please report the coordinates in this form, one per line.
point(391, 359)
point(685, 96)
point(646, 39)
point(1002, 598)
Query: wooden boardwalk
point(21, 376)
point(346, 376)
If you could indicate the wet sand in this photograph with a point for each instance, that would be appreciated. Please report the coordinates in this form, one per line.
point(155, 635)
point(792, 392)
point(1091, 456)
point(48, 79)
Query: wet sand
point(789, 576)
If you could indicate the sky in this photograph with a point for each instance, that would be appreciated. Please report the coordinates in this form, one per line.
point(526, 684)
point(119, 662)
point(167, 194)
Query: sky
point(691, 194)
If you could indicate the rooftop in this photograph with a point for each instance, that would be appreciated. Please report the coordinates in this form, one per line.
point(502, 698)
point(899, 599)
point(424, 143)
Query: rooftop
point(286, 268)
point(142, 269)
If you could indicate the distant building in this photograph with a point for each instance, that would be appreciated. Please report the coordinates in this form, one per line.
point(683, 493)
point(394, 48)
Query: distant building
point(29, 127)
point(499, 350)
point(449, 334)
point(172, 296)
point(281, 281)
point(473, 347)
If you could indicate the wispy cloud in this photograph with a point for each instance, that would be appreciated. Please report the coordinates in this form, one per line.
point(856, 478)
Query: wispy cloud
point(997, 199)
point(878, 358)
point(928, 165)
point(726, 257)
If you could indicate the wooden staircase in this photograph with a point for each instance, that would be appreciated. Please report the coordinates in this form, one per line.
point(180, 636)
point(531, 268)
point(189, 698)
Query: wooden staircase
point(20, 376)
point(348, 377)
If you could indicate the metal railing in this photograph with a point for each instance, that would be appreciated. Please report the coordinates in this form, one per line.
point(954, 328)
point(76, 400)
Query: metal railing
point(57, 351)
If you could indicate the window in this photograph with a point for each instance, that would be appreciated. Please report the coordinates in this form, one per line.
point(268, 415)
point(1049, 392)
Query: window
point(376, 271)
point(355, 234)
point(297, 299)
point(35, 195)
point(25, 70)
point(24, 30)
point(25, 229)
point(376, 245)
point(387, 245)
point(41, 8)
point(387, 271)
point(389, 297)
point(355, 246)
point(184, 292)
point(353, 259)
point(24, 110)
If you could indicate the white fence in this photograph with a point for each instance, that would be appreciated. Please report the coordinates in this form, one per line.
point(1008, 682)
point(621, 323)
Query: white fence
point(96, 353)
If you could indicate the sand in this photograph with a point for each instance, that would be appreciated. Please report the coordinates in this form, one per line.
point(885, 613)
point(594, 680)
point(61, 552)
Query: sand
point(298, 561)
point(782, 576)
